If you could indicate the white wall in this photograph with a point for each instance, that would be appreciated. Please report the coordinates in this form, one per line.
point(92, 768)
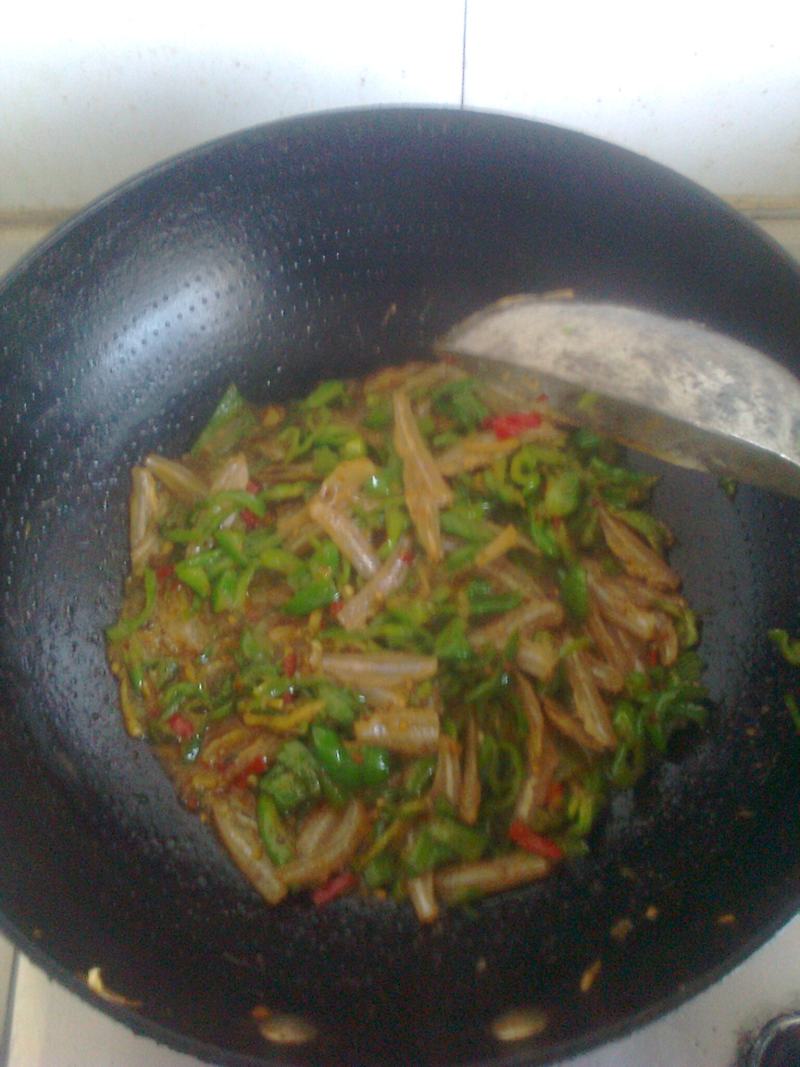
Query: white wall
point(91, 93)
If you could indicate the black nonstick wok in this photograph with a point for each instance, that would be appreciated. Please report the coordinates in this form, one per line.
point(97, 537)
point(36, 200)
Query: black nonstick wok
point(322, 246)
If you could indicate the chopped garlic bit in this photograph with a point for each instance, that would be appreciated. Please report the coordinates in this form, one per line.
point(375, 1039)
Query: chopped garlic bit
point(589, 976)
point(94, 980)
point(284, 1029)
point(621, 929)
point(519, 1024)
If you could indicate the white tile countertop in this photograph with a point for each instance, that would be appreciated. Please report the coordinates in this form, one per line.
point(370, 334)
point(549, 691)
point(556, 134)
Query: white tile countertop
point(91, 92)
point(46, 1026)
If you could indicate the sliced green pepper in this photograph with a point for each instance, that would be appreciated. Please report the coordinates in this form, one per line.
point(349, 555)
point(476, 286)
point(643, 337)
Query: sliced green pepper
point(789, 647)
point(376, 766)
point(294, 778)
point(232, 544)
point(193, 576)
point(316, 594)
point(575, 591)
point(335, 759)
point(562, 494)
point(544, 538)
point(125, 627)
point(272, 831)
point(325, 394)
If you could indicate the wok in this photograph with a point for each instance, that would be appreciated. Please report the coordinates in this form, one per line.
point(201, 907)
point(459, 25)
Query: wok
point(321, 246)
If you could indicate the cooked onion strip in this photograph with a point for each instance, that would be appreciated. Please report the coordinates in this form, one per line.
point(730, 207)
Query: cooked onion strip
point(543, 757)
point(666, 641)
point(346, 535)
point(344, 481)
point(408, 731)
point(616, 606)
point(447, 780)
point(589, 705)
point(239, 834)
point(532, 615)
point(233, 473)
point(184, 483)
point(338, 848)
point(515, 579)
point(507, 539)
point(469, 800)
point(316, 829)
point(423, 897)
point(605, 675)
point(569, 725)
point(473, 452)
point(637, 557)
point(391, 574)
point(454, 884)
point(538, 656)
point(425, 489)
point(377, 668)
point(606, 640)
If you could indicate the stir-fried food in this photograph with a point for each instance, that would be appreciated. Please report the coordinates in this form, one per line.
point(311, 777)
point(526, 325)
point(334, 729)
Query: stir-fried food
point(390, 639)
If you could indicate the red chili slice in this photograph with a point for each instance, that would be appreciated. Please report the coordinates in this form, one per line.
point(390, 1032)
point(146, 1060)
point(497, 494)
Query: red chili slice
point(290, 664)
point(335, 887)
point(254, 487)
point(181, 726)
point(166, 570)
point(512, 424)
point(530, 841)
point(256, 767)
point(407, 557)
point(555, 795)
point(249, 518)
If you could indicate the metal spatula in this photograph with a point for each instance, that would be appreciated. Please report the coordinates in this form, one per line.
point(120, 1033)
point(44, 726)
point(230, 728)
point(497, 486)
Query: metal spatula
point(669, 387)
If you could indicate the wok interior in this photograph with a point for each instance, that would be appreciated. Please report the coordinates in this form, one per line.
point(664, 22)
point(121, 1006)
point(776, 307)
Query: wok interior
point(325, 247)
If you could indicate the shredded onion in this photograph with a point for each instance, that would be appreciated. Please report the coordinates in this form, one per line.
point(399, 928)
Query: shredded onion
point(337, 849)
point(232, 473)
point(538, 656)
point(425, 488)
point(473, 452)
point(615, 605)
point(507, 539)
point(515, 579)
point(317, 827)
point(377, 668)
point(239, 834)
point(532, 615)
point(469, 801)
point(345, 480)
point(346, 535)
point(589, 705)
point(447, 780)
point(409, 731)
point(637, 557)
point(177, 477)
point(422, 896)
point(391, 574)
point(454, 884)
point(569, 725)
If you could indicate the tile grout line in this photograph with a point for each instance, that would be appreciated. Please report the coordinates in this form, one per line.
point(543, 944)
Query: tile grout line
point(8, 1017)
